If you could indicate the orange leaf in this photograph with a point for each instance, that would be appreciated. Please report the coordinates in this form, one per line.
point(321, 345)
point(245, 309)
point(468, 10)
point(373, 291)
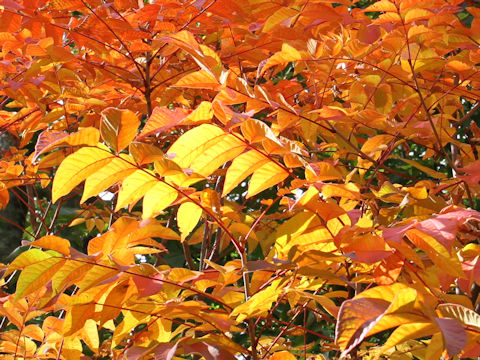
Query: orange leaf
point(118, 128)
point(418, 14)
point(162, 119)
point(383, 5)
point(4, 198)
point(283, 355)
point(198, 80)
point(51, 140)
point(53, 243)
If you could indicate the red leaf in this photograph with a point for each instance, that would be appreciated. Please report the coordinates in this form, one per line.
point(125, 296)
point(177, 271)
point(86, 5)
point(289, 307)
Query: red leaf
point(209, 352)
point(354, 328)
point(148, 286)
point(454, 335)
point(396, 233)
point(444, 227)
point(162, 351)
point(472, 173)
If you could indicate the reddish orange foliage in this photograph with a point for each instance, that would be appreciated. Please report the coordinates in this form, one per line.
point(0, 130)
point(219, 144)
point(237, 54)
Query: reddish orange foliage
point(255, 179)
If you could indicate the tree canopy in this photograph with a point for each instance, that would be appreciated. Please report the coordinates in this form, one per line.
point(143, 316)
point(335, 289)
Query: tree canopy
point(239, 179)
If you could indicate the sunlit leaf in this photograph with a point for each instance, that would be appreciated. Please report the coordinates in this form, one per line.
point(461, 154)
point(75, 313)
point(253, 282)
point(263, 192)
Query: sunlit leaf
point(200, 79)
point(265, 176)
point(50, 140)
point(205, 148)
point(53, 242)
point(37, 275)
point(407, 332)
point(77, 167)
point(188, 216)
point(118, 128)
point(135, 186)
point(258, 304)
point(157, 199)
point(162, 119)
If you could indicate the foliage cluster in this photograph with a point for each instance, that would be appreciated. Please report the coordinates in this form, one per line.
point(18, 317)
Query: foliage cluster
point(228, 179)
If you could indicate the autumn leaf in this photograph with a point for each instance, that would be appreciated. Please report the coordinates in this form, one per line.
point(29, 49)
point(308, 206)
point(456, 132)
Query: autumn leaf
point(77, 167)
point(47, 140)
point(118, 128)
point(231, 179)
point(188, 216)
point(205, 148)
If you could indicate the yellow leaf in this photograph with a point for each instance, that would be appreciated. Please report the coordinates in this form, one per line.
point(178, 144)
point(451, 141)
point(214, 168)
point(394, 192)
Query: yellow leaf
point(348, 191)
point(205, 148)
point(376, 143)
point(435, 347)
point(96, 275)
point(383, 98)
point(37, 275)
point(266, 176)
point(241, 167)
point(117, 169)
point(118, 127)
point(188, 216)
point(72, 347)
point(437, 252)
point(288, 54)
point(426, 170)
point(465, 315)
point(33, 331)
point(357, 93)
point(69, 273)
point(27, 258)
point(53, 242)
point(89, 334)
point(131, 319)
point(257, 131)
point(158, 198)
point(324, 301)
point(407, 332)
point(145, 153)
point(387, 293)
point(77, 167)
point(203, 113)
point(135, 186)
point(76, 317)
point(324, 171)
point(258, 304)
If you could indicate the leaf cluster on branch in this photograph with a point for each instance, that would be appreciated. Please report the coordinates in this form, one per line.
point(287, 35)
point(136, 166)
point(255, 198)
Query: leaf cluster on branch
point(227, 179)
